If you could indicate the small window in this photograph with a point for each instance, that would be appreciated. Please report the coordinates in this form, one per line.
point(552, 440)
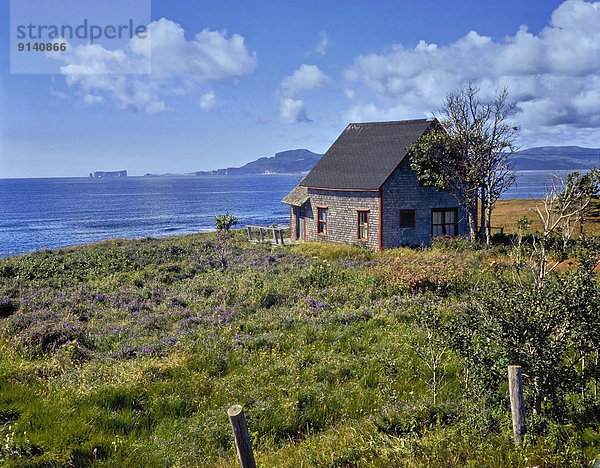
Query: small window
point(407, 218)
point(322, 221)
point(362, 225)
point(444, 222)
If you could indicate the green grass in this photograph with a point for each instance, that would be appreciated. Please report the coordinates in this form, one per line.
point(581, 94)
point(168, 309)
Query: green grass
point(507, 212)
point(128, 353)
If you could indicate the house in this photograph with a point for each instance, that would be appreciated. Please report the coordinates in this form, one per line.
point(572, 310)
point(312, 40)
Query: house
point(364, 190)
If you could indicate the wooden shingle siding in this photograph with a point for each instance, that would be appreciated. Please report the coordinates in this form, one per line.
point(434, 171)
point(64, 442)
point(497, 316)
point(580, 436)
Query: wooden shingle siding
point(402, 192)
point(341, 215)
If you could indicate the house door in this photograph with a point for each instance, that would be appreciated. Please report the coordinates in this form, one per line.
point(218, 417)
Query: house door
point(300, 220)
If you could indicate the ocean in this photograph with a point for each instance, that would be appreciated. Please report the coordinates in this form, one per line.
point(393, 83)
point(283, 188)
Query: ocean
point(40, 214)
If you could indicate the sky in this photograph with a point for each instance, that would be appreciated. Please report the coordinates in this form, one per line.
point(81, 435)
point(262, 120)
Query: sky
point(232, 81)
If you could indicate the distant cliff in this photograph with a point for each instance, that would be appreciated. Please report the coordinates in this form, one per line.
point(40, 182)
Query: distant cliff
point(303, 160)
point(99, 174)
point(556, 158)
point(286, 162)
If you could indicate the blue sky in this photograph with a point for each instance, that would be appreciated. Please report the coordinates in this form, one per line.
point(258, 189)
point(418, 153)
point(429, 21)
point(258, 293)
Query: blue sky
point(233, 81)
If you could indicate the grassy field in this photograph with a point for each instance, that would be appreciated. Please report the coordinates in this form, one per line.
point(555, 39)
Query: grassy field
point(128, 353)
point(508, 212)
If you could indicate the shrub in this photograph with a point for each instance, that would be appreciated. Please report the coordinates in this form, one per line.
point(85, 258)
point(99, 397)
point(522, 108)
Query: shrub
point(224, 222)
point(49, 336)
point(551, 330)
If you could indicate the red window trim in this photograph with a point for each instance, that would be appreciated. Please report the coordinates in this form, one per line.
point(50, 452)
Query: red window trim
point(414, 219)
point(358, 238)
point(321, 233)
point(444, 210)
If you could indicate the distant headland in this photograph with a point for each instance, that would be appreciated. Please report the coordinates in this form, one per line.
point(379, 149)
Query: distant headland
point(100, 174)
point(301, 161)
point(295, 161)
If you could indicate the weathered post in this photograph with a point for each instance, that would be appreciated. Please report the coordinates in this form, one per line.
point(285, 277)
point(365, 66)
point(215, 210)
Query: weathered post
point(517, 404)
point(262, 235)
point(249, 233)
point(241, 436)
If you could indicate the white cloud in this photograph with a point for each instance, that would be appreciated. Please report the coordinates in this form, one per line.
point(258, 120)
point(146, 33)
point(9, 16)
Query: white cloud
point(119, 74)
point(370, 113)
point(209, 56)
point(304, 78)
point(155, 107)
point(554, 75)
point(58, 94)
point(292, 111)
point(92, 99)
point(208, 101)
point(321, 47)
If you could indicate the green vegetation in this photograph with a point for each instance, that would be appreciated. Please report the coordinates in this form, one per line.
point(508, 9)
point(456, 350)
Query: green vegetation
point(128, 353)
point(224, 222)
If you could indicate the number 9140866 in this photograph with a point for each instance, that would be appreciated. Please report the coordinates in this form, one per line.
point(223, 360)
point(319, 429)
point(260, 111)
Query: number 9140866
point(42, 46)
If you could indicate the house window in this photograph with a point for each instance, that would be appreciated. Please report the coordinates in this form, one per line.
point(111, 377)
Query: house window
point(322, 221)
point(407, 218)
point(444, 222)
point(362, 231)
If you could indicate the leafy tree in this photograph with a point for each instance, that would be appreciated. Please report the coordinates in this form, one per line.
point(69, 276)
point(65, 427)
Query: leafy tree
point(441, 162)
point(469, 154)
point(224, 222)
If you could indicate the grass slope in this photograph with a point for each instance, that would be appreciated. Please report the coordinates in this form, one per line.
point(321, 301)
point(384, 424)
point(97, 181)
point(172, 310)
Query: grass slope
point(128, 353)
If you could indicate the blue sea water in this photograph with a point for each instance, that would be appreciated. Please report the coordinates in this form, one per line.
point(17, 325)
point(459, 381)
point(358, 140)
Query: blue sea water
point(51, 213)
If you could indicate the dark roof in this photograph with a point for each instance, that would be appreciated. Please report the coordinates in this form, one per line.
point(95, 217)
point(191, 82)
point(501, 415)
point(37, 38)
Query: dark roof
point(365, 154)
point(296, 197)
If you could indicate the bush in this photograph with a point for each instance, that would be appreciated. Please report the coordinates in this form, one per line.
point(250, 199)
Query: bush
point(224, 222)
point(43, 337)
point(551, 330)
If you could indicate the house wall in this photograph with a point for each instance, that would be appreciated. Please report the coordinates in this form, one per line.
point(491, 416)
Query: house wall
point(402, 192)
point(342, 215)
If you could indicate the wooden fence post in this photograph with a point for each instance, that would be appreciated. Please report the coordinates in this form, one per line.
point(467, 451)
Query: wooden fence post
point(517, 404)
point(241, 436)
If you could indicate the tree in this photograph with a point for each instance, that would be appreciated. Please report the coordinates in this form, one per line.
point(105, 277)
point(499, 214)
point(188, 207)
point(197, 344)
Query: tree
point(472, 159)
point(224, 222)
point(565, 204)
point(498, 173)
point(441, 162)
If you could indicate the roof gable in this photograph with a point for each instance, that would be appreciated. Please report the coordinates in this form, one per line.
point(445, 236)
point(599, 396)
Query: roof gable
point(365, 154)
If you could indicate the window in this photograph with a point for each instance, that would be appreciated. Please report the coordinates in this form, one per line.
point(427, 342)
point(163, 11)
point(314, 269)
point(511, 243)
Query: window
point(407, 218)
point(322, 220)
point(362, 231)
point(444, 222)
